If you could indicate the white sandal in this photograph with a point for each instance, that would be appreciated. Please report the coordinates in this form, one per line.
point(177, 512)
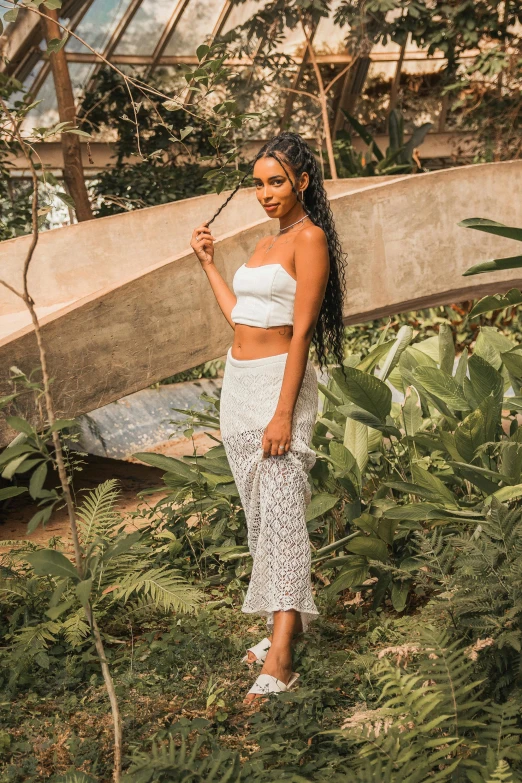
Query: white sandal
point(260, 650)
point(266, 683)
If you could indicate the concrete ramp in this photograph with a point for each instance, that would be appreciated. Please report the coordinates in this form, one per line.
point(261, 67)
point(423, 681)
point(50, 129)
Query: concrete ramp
point(125, 303)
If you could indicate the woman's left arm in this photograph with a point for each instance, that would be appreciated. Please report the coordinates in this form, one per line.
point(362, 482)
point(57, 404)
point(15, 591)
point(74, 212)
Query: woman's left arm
point(312, 271)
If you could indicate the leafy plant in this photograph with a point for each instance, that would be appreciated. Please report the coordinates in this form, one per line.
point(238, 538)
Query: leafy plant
point(433, 722)
point(398, 158)
point(498, 301)
point(119, 566)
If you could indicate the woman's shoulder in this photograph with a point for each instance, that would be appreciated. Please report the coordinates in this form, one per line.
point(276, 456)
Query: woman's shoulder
point(310, 233)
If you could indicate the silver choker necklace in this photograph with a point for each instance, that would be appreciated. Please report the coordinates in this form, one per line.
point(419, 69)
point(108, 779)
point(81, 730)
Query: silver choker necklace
point(271, 245)
point(293, 224)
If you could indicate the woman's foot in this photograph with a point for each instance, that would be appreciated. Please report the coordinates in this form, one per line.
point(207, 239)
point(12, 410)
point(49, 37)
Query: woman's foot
point(278, 663)
point(251, 657)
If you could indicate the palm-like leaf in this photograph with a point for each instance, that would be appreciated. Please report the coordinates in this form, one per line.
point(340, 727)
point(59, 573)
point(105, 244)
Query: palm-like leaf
point(96, 515)
point(165, 587)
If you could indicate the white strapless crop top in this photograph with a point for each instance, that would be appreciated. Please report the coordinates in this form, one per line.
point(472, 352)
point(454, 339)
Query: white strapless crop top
point(265, 296)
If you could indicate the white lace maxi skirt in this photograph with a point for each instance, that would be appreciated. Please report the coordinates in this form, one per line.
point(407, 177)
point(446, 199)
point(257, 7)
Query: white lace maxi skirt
point(275, 490)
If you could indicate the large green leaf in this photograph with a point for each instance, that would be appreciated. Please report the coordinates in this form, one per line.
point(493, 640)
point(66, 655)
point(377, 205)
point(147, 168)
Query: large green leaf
point(462, 366)
point(490, 344)
point(494, 302)
point(365, 134)
point(356, 441)
point(404, 338)
point(369, 546)
point(446, 349)
point(427, 397)
point(414, 512)
point(333, 426)
point(412, 412)
point(12, 467)
point(11, 492)
point(504, 494)
point(328, 393)
point(366, 391)
point(431, 482)
point(470, 434)
point(448, 441)
point(121, 546)
point(484, 378)
point(170, 464)
point(320, 504)
point(50, 562)
point(15, 451)
point(413, 357)
point(37, 480)
point(414, 489)
point(492, 227)
point(484, 479)
point(512, 403)
point(369, 420)
point(491, 408)
point(83, 591)
point(354, 573)
point(341, 456)
point(415, 140)
point(17, 423)
point(513, 361)
point(399, 594)
point(511, 462)
point(442, 386)
point(494, 265)
point(371, 360)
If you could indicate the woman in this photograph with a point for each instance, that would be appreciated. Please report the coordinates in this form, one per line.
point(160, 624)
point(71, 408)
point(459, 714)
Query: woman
point(289, 293)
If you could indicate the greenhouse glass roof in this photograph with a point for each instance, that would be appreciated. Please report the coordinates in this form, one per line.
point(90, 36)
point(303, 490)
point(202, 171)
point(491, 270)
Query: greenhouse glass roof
point(146, 34)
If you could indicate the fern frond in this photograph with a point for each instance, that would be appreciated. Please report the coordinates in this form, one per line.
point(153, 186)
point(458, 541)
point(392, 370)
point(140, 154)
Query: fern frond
point(75, 628)
point(501, 732)
point(14, 586)
point(447, 664)
point(164, 586)
point(222, 766)
point(96, 515)
point(34, 639)
point(502, 773)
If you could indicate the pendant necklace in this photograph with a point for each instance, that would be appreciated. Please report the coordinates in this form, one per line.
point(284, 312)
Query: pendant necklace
point(281, 231)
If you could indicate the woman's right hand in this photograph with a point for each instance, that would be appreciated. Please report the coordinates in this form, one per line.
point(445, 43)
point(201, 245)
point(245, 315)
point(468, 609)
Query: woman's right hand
point(202, 244)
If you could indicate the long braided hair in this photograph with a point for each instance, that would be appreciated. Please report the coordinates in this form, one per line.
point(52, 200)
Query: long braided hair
point(292, 148)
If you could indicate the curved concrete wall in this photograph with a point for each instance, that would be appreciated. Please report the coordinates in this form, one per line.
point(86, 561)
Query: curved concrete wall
point(72, 262)
point(404, 250)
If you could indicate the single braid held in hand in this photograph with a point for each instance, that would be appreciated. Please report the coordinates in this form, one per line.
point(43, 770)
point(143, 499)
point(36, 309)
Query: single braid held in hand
point(290, 149)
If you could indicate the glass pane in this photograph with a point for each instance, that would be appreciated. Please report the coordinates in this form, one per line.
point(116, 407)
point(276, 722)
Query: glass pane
point(46, 113)
point(79, 73)
point(196, 24)
point(28, 81)
point(240, 14)
point(144, 31)
point(329, 38)
point(293, 43)
point(97, 25)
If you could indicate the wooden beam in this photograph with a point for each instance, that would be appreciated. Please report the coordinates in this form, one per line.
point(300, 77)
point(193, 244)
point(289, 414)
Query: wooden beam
point(223, 16)
point(72, 157)
point(168, 31)
point(111, 45)
point(291, 96)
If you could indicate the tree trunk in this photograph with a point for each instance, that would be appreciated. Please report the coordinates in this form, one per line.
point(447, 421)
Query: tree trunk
point(71, 146)
point(352, 88)
point(397, 78)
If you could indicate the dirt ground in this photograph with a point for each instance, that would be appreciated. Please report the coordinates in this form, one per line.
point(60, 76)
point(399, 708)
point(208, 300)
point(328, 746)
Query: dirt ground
point(133, 476)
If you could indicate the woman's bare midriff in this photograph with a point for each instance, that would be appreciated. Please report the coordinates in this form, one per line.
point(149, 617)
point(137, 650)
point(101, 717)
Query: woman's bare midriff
point(254, 342)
